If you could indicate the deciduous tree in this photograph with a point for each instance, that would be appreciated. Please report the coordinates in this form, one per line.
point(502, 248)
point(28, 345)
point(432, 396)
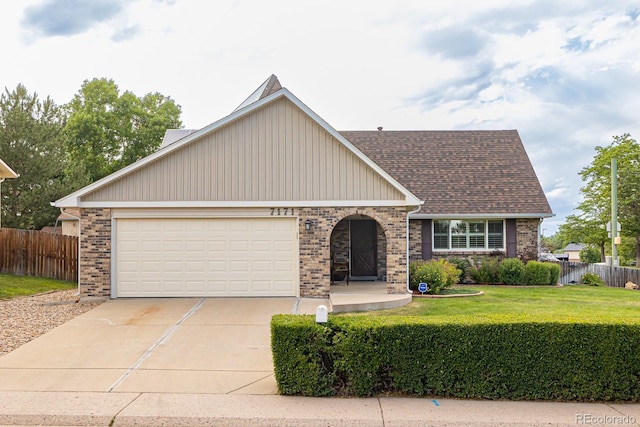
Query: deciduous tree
point(596, 206)
point(107, 130)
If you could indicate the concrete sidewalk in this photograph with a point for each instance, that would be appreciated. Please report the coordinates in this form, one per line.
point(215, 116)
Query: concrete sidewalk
point(169, 409)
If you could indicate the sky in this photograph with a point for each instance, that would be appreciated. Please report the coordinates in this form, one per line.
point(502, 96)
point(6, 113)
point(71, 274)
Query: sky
point(566, 75)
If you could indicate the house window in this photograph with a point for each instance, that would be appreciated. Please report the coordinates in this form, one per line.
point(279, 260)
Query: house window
point(468, 234)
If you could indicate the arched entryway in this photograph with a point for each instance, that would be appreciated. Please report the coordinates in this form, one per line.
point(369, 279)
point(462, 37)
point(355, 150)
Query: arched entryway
point(359, 242)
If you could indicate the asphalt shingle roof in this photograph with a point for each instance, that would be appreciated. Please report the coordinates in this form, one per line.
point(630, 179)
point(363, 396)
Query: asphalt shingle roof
point(458, 172)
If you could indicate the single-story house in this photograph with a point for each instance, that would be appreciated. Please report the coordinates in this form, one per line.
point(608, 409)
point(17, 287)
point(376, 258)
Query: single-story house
point(264, 201)
point(5, 172)
point(572, 250)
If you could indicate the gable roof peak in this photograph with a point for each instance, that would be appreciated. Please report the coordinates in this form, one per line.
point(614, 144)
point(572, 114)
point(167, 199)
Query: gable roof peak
point(6, 171)
point(271, 85)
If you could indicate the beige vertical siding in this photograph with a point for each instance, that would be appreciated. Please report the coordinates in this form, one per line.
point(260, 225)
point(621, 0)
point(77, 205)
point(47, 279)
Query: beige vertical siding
point(274, 153)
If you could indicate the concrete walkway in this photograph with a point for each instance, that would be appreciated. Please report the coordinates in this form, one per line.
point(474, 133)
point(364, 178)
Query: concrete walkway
point(170, 409)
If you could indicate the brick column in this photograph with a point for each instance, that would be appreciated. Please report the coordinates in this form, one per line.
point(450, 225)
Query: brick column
point(95, 252)
point(315, 266)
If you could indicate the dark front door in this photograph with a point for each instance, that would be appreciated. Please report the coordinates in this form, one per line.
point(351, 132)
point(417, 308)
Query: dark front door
point(363, 248)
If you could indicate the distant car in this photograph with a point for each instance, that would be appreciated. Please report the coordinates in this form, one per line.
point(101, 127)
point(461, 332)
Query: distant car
point(548, 257)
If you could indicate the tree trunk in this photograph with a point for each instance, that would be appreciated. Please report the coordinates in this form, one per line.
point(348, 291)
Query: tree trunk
point(638, 251)
point(602, 255)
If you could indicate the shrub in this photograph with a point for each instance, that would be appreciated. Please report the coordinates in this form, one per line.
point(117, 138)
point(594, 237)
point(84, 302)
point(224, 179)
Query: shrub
point(511, 271)
point(592, 279)
point(590, 254)
point(437, 274)
point(301, 356)
point(536, 274)
point(554, 273)
point(468, 358)
point(486, 273)
point(463, 265)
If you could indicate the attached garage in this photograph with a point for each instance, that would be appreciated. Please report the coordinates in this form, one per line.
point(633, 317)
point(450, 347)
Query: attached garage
point(244, 207)
point(205, 257)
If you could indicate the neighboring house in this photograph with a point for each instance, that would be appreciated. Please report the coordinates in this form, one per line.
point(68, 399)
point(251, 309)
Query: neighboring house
point(262, 201)
point(573, 251)
point(5, 172)
point(69, 221)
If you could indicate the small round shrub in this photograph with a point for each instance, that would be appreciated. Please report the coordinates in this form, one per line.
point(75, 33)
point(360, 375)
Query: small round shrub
point(463, 265)
point(511, 271)
point(592, 279)
point(536, 274)
point(554, 273)
point(486, 272)
point(437, 274)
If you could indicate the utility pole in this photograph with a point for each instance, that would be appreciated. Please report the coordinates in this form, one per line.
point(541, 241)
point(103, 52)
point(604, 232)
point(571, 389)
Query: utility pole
point(615, 240)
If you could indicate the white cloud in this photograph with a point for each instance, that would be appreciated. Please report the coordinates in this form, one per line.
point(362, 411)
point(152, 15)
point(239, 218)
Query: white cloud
point(563, 74)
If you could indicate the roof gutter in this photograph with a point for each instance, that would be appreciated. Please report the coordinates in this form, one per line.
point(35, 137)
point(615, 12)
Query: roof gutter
point(481, 216)
point(409, 215)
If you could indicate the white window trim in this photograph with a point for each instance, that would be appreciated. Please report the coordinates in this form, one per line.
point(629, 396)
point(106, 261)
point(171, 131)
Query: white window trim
point(486, 247)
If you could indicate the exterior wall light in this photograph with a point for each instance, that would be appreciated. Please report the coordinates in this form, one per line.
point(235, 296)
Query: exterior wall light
point(307, 225)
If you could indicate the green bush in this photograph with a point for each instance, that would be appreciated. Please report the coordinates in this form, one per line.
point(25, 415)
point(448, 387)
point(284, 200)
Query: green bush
point(511, 271)
point(437, 274)
point(486, 272)
point(590, 254)
point(302, 357)
point(536, 274)
point(554, 273)
point(463, 265)
point(469, 358)
point(592, 279)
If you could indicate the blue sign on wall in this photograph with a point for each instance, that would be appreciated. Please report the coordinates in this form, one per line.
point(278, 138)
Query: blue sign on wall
point(422, 287)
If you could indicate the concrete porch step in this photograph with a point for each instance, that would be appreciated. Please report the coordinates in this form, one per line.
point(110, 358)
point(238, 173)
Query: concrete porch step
point(346, 303)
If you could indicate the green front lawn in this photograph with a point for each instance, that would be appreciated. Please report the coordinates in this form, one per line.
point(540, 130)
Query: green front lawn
point(13, 286)
point(573, 303)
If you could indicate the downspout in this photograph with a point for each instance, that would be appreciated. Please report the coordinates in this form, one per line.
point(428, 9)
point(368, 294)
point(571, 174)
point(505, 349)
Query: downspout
point(539, 238)
point(408, 214)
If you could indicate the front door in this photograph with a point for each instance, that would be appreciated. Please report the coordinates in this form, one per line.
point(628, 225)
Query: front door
point(364, 258)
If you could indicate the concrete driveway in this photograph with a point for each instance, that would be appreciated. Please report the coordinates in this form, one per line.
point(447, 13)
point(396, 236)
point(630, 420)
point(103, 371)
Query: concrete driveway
point(183, 345)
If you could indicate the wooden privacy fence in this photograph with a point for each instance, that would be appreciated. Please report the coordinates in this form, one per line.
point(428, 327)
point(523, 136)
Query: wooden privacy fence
point(38, 253)
point(615, 277)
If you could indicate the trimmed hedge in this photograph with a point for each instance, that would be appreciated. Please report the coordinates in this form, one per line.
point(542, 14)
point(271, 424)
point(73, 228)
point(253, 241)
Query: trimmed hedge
point(536, 274)
point(489, 358)
point(554, 272)
point(511, 271)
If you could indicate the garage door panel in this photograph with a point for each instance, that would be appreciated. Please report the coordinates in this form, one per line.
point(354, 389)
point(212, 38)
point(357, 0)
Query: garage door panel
point(283, 285)
point(238, 226)
point(152, 226)
point(217, 246)
point(206, 257)
point(239, 286)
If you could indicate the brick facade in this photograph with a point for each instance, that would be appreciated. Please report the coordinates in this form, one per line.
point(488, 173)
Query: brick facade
point(95, 248)
point(95, 252)
point(329, 232)
point(415, 240)
point(527, 241)
point(315, 246)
